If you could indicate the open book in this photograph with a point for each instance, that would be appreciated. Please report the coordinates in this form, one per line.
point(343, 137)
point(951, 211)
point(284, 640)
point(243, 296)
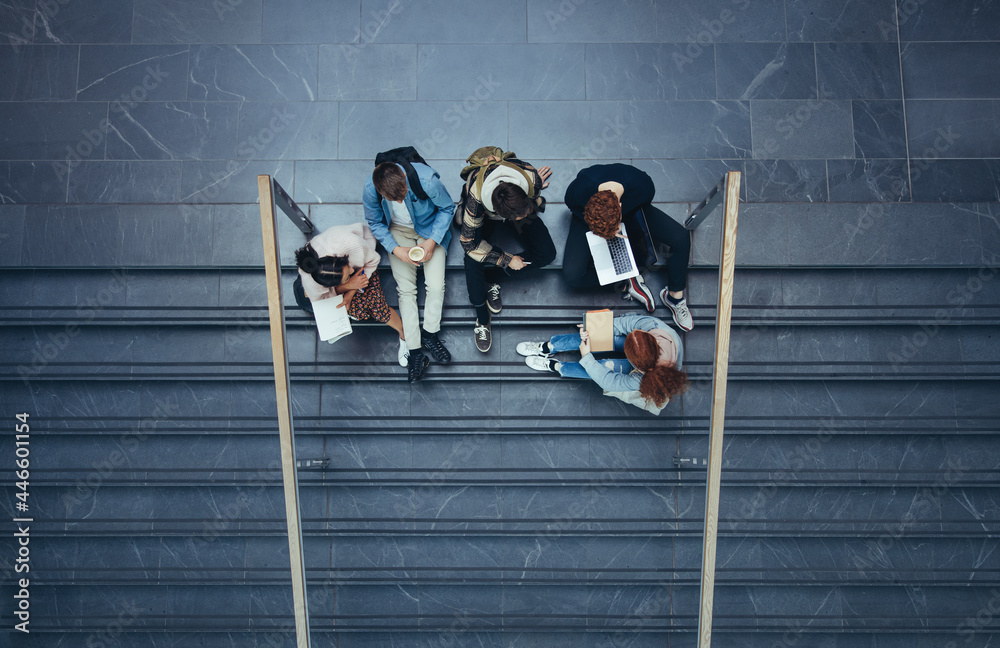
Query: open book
point(331, 322)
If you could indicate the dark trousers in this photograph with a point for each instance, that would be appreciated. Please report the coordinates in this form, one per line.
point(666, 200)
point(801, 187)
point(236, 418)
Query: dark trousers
point(539, 251)
point(578, 264)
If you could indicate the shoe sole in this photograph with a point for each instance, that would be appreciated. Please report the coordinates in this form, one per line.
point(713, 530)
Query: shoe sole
point(649, 305)
point(681, 326)
point(495, 312)
point(674, 315)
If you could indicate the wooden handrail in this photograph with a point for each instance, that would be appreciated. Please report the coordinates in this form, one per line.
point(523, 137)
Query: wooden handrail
point(286, 438)
point(720, 372)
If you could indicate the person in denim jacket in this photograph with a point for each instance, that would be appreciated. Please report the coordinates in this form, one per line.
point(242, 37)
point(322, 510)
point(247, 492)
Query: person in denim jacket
point(402, 223)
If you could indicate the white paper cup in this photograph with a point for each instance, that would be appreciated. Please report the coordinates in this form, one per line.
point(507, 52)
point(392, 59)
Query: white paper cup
point(416, 253)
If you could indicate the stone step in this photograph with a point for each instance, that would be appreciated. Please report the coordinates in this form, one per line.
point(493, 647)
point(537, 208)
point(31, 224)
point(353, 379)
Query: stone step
point(243, 353)
point(861, 235)
point(762, 298)
point(110, 411)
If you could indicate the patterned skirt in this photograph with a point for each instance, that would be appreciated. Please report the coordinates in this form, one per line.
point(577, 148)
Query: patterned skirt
point(371, 303)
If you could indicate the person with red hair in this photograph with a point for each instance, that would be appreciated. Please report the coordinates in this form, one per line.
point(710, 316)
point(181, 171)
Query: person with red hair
point(649, 376)
point(601, 199)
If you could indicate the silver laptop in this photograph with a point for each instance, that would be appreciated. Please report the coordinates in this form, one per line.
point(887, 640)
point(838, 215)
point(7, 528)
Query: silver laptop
point(613, 258)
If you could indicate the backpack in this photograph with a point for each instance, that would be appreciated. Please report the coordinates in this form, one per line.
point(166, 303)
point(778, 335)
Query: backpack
point(404, 156)
point(489, 156)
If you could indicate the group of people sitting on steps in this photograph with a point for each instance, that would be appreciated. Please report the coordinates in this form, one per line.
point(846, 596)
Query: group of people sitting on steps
point(410, 213)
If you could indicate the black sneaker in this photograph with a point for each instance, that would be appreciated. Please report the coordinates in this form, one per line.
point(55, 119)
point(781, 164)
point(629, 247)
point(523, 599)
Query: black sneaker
point(484, 336)
point(416, 365)
point(493, 299)
point(435, 345)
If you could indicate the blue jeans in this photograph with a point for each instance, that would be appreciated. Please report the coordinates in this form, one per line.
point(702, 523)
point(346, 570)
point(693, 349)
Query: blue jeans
point(571, 342)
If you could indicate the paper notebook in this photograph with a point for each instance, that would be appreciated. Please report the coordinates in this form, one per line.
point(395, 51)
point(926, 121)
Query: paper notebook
point(331, 322)
point(600, 324)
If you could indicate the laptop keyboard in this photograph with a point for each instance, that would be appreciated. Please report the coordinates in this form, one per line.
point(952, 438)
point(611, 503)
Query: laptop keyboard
point(618, 247)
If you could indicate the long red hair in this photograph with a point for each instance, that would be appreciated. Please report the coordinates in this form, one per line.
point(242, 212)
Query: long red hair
point(659, 382)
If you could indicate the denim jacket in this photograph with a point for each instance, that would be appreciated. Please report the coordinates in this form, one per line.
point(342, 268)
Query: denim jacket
point(431, 217)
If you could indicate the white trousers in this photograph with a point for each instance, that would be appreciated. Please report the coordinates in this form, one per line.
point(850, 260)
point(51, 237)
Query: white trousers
point(405, 275)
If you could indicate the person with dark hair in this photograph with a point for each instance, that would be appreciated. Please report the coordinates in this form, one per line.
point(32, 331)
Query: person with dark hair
point(600, 198)
point(416, 234)
point(502, 194)
point(343, 261)
point(649, 376)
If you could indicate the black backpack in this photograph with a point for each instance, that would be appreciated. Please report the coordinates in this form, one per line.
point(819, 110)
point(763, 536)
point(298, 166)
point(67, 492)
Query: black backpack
point(404, 156)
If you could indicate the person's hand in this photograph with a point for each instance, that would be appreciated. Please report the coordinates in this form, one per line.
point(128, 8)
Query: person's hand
point(357, 281)
point(346, 301)
point(584, 343)
point(403, 254)
point(516, 263)
point(429, 245)
point(544, 173)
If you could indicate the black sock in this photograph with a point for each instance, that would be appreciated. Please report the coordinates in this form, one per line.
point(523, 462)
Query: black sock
point(674, 300)
point(546, 347)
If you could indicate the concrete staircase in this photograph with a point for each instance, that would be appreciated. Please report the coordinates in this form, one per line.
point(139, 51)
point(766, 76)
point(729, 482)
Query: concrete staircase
point(489, 504)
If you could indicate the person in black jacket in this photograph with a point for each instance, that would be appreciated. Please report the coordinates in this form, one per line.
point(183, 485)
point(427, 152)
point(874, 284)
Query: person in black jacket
point(601, 197)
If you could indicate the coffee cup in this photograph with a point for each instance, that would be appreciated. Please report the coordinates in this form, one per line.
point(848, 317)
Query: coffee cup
point(416, 253)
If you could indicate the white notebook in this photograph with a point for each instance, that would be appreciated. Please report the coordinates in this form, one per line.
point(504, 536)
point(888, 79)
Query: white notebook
point(331, 322)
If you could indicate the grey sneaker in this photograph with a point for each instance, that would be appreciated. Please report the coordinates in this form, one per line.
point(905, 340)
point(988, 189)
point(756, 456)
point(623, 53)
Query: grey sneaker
point(680, 311)
point(484, 336)
point(493, 299)
point(532, 349)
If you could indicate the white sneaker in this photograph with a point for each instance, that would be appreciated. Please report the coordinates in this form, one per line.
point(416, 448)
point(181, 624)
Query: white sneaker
point(682, 316)
point(403, 355)
point(540, 363)
point(532, 349)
